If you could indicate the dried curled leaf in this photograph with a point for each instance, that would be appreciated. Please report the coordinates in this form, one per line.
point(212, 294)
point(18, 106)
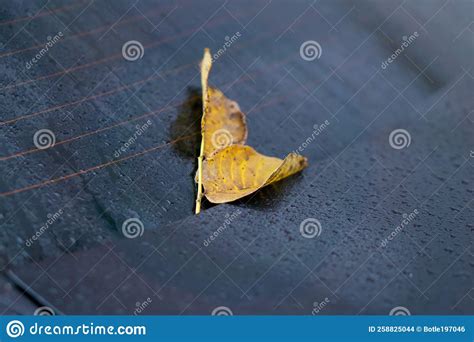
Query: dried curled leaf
point(227, 169)
point(237, 171)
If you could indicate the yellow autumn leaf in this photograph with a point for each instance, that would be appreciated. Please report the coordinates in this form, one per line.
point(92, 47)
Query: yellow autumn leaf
point(225, 123)
point(227, 169)
point(237, 171)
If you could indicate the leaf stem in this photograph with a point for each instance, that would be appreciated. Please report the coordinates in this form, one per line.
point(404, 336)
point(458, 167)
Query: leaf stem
point(205, 69)
point(199, 194)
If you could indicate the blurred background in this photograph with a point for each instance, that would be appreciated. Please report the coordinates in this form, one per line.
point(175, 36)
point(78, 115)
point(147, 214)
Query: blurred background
point(99, 128)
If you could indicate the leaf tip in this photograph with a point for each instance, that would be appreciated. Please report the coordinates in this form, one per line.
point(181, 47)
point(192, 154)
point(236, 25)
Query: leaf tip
point(206, 59)
point(302, 160)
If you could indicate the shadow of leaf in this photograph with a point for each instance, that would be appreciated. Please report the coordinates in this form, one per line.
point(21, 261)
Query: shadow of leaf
point(188, 122)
